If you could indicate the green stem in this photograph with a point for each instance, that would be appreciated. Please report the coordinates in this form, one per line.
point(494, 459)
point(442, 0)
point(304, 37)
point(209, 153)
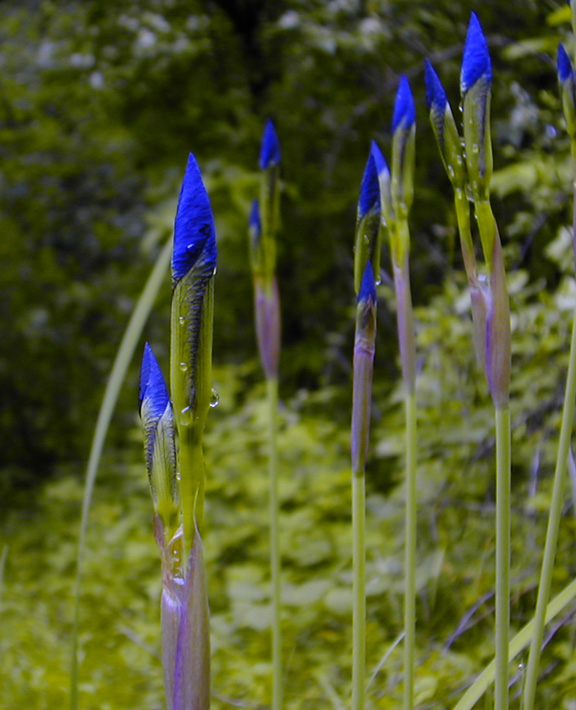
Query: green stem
point(272, 394)
point(192, 481)
point(553, 527)
point(502, 555)
point(359, 595)
point(410, 552)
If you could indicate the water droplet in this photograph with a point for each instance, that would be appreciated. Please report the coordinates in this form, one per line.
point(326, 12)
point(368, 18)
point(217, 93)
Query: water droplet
point(214, 398)
point(183, 366)
point(461, 106)
point(186, 415)
point(450, 172)
point(178, 476)
point(475, 148)
point(182, 320)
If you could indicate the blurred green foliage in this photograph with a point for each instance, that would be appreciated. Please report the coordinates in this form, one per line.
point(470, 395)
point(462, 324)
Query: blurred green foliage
point(99, 105)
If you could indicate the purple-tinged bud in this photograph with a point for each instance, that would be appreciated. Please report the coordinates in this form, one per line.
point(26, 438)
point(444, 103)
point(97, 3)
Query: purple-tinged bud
point(498, 332)
point(186, 634)
point(267, 316)
point(364, 349)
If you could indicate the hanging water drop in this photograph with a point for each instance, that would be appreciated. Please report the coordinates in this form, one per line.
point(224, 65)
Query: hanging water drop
point(214, 398)
point(182, 320)
point(183, 366)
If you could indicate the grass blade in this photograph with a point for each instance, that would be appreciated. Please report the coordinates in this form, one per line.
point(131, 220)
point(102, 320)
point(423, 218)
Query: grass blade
point(518, 644)
point(123, 357)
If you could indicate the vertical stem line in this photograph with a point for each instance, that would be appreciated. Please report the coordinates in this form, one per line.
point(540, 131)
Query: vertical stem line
point(276, 596)
point(358, 590)
point(410, 552)
point(553, 528)
point(502, 555)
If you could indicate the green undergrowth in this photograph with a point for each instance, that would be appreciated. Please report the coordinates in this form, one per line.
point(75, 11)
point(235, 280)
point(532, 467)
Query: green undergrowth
point(119, 633)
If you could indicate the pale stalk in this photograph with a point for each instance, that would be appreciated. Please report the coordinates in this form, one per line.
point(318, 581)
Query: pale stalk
point(410, 552)
point(502, 555)
point(358, 590)
point(277, 690)
point(554, 516)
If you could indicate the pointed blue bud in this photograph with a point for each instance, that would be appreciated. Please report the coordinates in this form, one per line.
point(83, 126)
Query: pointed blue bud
point(476, 62)
point(435, 94)
point(379, 159)
point(368, 285)
point(194, 233)
point(270, 151)
point(404, 110)
point(367, 237)
point(152, 385)
point(370, 189)
point(565, 68)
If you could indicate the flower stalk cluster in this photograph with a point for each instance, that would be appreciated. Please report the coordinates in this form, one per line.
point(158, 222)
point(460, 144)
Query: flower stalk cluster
point(469, 168)
point(173, 433)
point(384, 205)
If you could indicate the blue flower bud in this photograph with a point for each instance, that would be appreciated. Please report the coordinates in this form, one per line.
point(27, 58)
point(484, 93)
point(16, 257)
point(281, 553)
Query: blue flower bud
point(435, 94)
point(476, 62)
point(404, 110)
point(254, 222)
point(367, 290)
point(270, 151)
point(379, 160)
point(565, 68)
point(367, 237)
point(194, 233)
point(369, 189)
point(152, 386)
point(567, 89)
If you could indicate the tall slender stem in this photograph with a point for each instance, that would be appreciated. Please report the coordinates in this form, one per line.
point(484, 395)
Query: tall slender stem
point(272, 394)
point(502, 555)
point(359, 595)
point(553, 527)
point(410, 552)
